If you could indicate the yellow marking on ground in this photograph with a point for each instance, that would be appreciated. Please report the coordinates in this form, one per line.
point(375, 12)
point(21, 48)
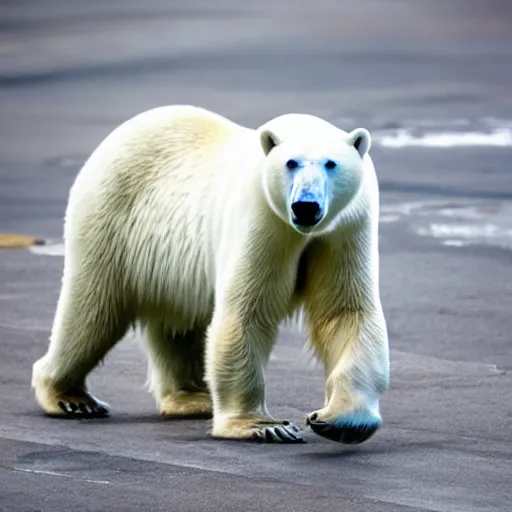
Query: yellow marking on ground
point(18, 241)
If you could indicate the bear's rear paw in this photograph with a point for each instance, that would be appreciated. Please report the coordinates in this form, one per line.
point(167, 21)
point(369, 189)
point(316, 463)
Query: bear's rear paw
point(350, 428)
point(263, 431)
point(186, 404)
point(83, 405)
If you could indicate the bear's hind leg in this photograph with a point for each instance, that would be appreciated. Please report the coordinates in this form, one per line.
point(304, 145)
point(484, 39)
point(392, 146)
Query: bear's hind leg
point(176, 371)
point(88, 322)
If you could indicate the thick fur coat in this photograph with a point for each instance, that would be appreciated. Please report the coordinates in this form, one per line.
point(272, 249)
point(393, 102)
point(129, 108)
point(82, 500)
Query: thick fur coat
point(208, 235)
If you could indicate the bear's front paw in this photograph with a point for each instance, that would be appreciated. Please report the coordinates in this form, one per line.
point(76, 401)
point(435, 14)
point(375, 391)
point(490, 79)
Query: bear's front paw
point(263, 431)
point(82, 406)
point(349, 428)
point(285, 432)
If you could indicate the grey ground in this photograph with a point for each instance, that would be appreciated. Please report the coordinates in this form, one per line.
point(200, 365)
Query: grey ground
point(71, 71)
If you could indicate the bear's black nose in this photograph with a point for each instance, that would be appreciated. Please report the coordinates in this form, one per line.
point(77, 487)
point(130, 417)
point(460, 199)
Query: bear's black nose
point(306, 213)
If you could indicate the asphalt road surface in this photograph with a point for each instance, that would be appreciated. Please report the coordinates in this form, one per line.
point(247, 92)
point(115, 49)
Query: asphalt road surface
point(432, 80)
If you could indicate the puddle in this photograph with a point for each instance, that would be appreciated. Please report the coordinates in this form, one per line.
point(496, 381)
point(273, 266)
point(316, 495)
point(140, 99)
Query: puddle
point(48, 249)
point(455, 223)
point(434, 133)
point(405, 138)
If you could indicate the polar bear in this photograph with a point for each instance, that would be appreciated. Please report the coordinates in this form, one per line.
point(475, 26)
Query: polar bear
point(208, 234)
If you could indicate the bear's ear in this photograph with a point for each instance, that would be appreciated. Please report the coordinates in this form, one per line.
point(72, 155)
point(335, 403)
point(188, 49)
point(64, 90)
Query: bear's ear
point(361, 139)
point(268, 140)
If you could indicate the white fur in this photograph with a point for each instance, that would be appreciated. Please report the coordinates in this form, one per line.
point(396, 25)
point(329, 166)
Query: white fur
point(179, 221)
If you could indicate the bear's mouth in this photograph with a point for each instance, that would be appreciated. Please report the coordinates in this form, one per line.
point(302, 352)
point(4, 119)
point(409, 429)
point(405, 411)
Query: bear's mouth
point(303, 230)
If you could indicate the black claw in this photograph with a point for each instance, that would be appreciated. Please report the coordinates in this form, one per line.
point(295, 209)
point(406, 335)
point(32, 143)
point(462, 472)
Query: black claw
point(258, 436)
point(294, 436)
point(275, 434)
point(270, 436)
point(284, 435)
point(285, 432)
point(294, 428)
point(288, 433)
point(298, 436)
point(295, 433)
point(83, 409)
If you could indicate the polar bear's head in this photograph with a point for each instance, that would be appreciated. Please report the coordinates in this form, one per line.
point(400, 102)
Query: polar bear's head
point(312, 169)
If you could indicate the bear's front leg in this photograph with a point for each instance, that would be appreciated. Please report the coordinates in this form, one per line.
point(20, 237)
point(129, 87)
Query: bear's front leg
point(354, 349)
point(348, 334)
point(237, 353)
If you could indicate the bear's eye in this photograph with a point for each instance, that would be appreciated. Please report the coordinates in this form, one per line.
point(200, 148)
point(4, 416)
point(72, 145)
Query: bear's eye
point(292, 164)
point(330, 164)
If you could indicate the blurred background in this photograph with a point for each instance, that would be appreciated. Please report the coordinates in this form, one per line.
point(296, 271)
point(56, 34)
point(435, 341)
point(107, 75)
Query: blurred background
point(412, 71)
point(433, 82)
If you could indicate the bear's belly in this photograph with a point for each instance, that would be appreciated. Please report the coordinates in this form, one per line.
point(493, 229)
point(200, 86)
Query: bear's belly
point(172, 285)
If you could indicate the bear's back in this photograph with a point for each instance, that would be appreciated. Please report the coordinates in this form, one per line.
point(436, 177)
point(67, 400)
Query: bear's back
point(153, 197)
